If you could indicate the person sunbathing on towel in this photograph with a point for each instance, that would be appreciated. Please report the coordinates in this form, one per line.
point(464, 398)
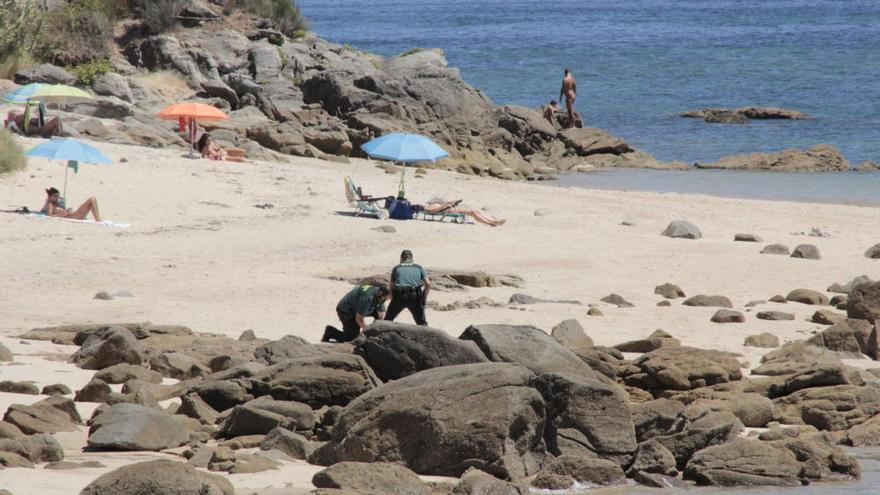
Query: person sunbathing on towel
point(212, 150)
point(53, 208)
point(438, 206)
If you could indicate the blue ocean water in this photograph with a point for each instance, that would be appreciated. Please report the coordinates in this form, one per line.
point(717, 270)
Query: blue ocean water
point(639, 62)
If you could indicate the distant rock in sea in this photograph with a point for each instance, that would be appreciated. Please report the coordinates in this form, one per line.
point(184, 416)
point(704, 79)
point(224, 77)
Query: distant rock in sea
point(744, 114)
point(819, 158)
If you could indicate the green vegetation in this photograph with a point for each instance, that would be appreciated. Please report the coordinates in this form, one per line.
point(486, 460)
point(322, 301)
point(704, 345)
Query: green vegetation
point(11, 153)
point(18, 23)
point(411, 51)
point(284, 13)
point(87, 73)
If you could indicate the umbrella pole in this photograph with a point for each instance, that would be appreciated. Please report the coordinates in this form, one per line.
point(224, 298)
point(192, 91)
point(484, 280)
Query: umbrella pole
point(66, 168)
point(401, 189)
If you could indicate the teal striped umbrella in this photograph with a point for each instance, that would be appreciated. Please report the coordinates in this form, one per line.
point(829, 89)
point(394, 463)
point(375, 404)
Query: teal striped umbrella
point(22, 94)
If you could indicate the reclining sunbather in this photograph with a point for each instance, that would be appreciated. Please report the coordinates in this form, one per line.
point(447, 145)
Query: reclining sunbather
point(29, 125)
point(212, 150)
point(53, 208)
point(439, 206)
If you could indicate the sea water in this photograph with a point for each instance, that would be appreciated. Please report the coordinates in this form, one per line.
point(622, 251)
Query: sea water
point(640, 62)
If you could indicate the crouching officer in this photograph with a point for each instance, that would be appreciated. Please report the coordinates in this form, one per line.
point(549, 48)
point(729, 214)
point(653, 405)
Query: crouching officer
point(409, 289)
point(359, 303)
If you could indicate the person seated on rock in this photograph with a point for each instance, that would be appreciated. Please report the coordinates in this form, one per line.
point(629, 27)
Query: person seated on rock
point(363, 301)
point(54, 208)
point(437, 206)
point(550, 113)
point(32, 125)
point(212, 150)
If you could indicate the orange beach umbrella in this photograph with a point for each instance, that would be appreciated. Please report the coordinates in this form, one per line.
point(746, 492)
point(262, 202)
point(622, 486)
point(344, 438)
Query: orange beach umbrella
point(191, 113)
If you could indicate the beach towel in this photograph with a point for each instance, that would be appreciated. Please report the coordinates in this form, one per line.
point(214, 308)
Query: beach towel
point(105, 223)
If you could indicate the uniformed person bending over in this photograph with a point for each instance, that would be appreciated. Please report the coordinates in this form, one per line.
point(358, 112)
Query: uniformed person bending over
point(360, 302)
point(409, 289)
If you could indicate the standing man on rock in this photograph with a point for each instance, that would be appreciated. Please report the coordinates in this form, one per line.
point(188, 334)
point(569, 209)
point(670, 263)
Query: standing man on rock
point(569, 90)
point(359, 303)
point(409, 289)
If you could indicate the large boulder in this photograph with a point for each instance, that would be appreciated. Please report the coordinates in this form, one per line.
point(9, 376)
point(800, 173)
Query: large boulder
point(680, 229)
point(586, 416)
point(656, 418)
point(807, 296)
point(179, 366)
point(333, 380)
point(794, 357)
point(45, 73)
point(162, 477)
point(262, 415)
point(394, 350)
point(223, 394)
point(744, 463)
point(135, 427)
point(655, 341)
point(833, 408)
point(571, 334)
point(52, 415)
point(112, 84)
point(444, 420)
point(708, 429)
point(681, 368)
point(850, 336)
point(290, 347)
point(123, 372)
point(825, 375)
point(374, 478)
point(107, 347)
point(864, 302)
point(581, 469)
point(476, 482)
point(587, 141)
point(527, 346)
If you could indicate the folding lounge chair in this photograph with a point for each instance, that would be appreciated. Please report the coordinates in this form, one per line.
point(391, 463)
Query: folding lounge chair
point(443, 215)
point(362, 204)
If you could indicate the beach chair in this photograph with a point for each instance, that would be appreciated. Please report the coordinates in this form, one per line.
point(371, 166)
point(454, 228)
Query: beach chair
point(443, 215)
point(363, 204)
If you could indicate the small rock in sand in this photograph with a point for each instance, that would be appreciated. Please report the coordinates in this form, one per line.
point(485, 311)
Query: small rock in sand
point(627, 223)
point(67, 465)
point(669, 291)
point(388, 229)
point(747, 238)
point(807, 252)
point(103, 296)
point(56, 389)
point(807, 296)
point(774, 315)
point(764, 340)
point(542, 212)
point(779, 299)
point(776, 249)
point(617, 300)
point(752, 304)
point(19, 388)
point(708, 301)
point(595, 312)
point(873, 252)
point(664, 303)
point(827, 317)
point(680, 229)
point(247, 336)
point(728, 316)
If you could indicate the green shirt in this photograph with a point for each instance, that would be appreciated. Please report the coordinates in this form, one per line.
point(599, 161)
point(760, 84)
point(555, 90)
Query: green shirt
point(408, 275)
point(361, 300)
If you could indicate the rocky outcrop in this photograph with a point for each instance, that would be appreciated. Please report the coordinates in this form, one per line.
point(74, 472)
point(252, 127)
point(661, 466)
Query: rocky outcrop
point(821, 158)
point(375, 478)
point(681, 368)
point(864, 302)
point(320, 381)
point(744, 463)
point(107, 347)
point(134, 427)
point(444, 420)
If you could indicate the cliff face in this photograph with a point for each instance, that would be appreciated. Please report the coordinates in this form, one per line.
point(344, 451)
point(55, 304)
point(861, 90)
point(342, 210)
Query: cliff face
point(309, 97)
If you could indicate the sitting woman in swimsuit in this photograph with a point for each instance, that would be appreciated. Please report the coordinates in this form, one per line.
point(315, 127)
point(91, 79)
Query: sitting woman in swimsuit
point(212, 150)
point(439, 206)
point(53, 208)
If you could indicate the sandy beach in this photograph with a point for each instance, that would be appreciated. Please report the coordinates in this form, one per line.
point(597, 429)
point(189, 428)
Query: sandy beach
point(199, 252)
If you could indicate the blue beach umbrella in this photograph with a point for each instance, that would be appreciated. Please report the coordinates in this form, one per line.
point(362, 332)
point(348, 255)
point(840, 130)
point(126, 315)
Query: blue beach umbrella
point(22, 94)
point(406, 148)
point(72, 151)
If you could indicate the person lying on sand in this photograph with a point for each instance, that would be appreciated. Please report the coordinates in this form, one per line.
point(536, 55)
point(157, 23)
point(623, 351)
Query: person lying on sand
point(438, 206)
point(212, 150)
point(53, 208)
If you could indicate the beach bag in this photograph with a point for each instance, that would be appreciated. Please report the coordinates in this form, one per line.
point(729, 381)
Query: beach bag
point(400, 209)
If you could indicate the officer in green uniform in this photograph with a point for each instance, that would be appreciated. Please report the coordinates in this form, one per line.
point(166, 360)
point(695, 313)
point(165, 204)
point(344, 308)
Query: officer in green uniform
point(359, 303)
point(409, 289)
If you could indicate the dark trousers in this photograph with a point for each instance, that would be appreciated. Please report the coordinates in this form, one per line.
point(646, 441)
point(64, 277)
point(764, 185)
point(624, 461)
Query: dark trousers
point(411, 300)
point(350, 328)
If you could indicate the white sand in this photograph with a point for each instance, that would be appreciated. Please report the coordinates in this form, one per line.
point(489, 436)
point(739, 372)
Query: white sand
point(198, 253)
